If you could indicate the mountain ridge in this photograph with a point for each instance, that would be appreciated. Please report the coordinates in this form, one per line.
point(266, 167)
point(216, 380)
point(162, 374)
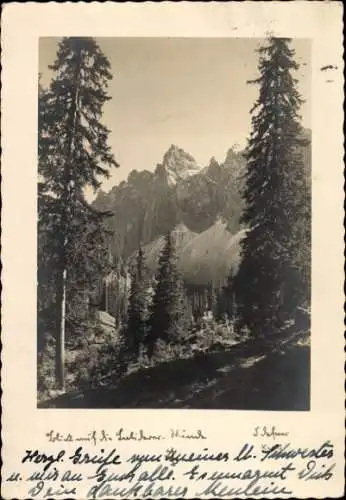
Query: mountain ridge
point(149, 204)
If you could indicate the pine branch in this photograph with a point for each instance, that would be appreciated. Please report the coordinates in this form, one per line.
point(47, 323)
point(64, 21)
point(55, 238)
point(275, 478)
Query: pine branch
point(92, 210)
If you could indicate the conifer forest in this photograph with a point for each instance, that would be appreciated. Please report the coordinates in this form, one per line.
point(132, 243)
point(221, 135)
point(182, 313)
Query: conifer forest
point(181, 283)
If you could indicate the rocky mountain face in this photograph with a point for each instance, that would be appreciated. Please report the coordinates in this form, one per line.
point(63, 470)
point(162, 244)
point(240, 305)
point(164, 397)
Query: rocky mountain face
point(214, 192)
point(149, 204)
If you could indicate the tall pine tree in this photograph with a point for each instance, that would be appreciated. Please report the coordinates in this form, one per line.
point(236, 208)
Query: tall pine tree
point(138, 306)
point(270, 284)
point(168, 318)
point(73, 154)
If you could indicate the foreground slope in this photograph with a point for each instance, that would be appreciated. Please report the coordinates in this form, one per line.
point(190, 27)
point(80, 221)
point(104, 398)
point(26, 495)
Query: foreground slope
point(245, 377)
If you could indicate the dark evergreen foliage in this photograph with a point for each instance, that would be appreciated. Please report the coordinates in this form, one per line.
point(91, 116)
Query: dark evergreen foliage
point(138, 306)
point(73, 155)
point(271, 284)
point(168, 319)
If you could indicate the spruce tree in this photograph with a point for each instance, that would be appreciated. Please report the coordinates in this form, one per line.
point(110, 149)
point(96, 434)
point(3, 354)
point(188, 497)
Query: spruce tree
point(168, 319)
point(73, 154)
point(270, 284)
point(138, 306)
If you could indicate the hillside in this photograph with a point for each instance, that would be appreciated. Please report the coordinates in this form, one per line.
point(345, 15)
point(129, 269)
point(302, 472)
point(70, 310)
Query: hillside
point(211, 255)
point(203, 258)
point(182, 236)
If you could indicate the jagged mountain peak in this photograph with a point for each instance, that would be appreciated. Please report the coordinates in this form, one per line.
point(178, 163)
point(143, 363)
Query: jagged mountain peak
point(176, 150)
point(178, 164)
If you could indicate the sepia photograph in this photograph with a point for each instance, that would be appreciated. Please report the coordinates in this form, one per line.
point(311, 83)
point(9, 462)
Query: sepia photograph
point(174, 223)
point(172, 250)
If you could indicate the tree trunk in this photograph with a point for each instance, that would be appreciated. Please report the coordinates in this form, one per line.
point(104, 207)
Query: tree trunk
point(60, 333)
point(106, 295)
point(118, 310)
point(125, 294)
point(234, 315)
point(61, 286)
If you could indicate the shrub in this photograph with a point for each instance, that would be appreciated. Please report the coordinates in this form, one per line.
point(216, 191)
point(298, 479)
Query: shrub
point(45, 374)
point(142, 362)
point(167, 351)
point(96, 362)
point(46, 368)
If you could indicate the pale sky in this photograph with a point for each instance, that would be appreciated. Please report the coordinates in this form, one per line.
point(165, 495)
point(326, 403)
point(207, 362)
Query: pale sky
point(191, 92)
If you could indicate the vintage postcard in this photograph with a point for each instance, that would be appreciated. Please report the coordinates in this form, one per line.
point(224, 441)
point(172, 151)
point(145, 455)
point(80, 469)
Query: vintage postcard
point(172, 250)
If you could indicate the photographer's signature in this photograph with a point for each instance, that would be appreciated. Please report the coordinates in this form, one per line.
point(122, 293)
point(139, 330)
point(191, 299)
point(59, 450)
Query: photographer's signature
point(268, 431)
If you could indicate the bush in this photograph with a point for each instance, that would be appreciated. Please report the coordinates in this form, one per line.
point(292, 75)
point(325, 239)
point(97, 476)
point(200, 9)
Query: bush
point(167, 351)
point(87, 363)
point(45, 374)
point(96, 362)
point(210, 337)
point(83, 334)
point(142, 362)
point(46, 368)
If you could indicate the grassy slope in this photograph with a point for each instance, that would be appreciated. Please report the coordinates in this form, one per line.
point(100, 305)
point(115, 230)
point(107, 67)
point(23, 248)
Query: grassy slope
point(240, 378)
